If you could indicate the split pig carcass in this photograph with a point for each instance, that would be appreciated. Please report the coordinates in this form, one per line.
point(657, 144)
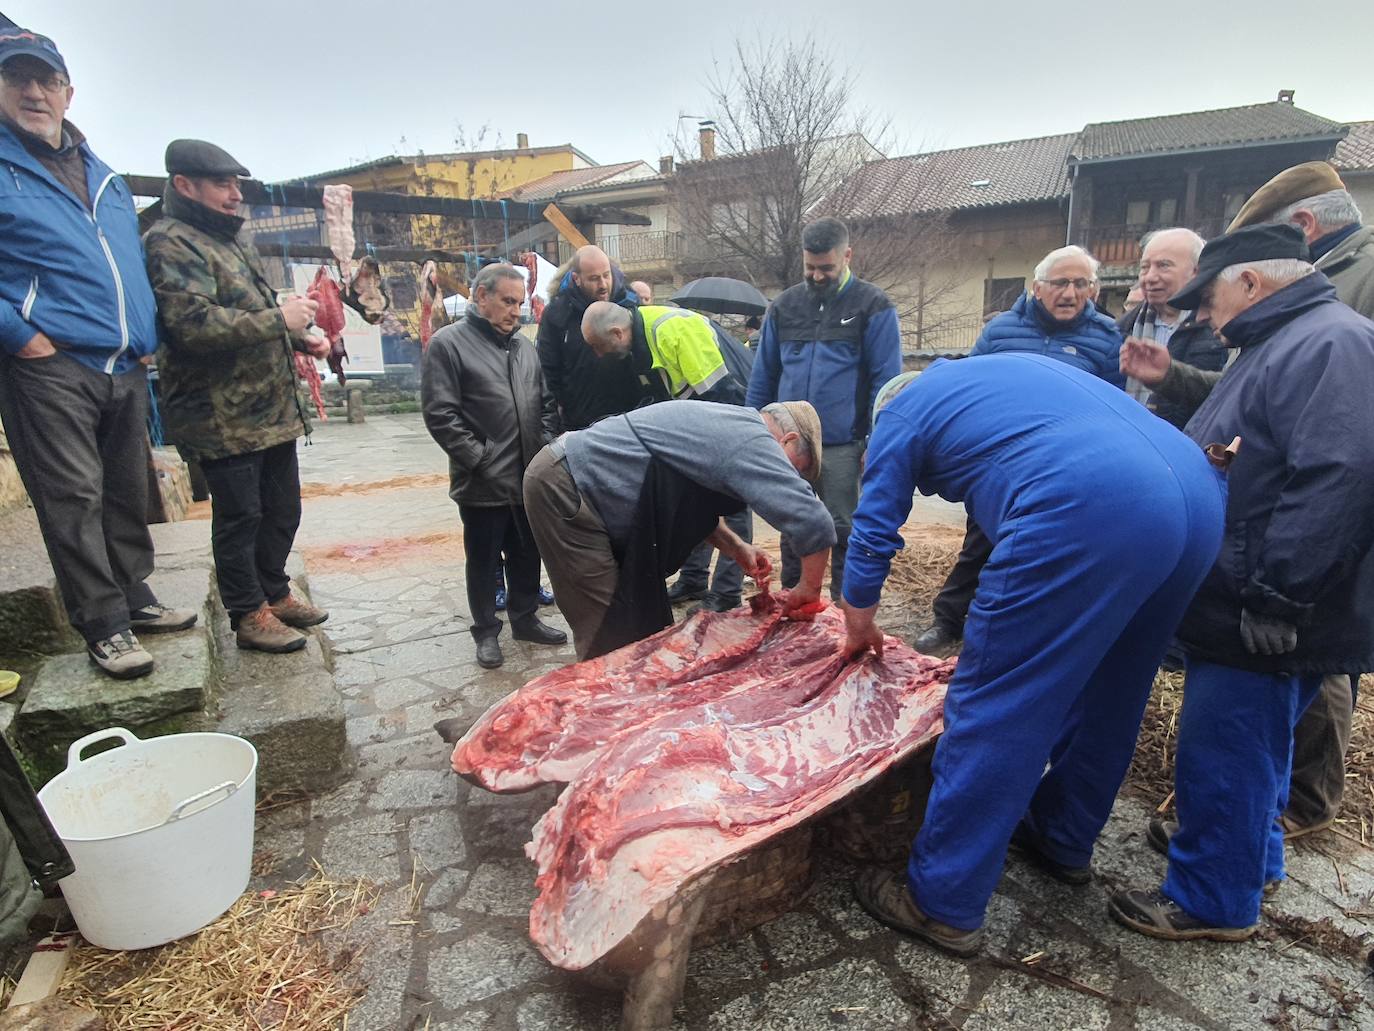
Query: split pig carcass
point(684, 754)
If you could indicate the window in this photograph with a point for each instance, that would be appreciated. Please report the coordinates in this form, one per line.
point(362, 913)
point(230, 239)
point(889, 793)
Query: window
point(1137, 212)
point(1001, 294)
point(1153, 213)
point(1233, 203)
point(1168, 212)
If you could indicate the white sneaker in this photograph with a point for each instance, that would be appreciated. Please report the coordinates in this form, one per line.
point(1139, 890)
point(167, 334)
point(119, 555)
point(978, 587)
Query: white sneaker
point(121, 656)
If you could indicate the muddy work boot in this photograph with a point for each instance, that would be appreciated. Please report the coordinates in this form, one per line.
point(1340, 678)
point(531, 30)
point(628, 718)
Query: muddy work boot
point(939, 642)
point(293, 610)
point(121, 656)
point(884, 894)
point(262, 631)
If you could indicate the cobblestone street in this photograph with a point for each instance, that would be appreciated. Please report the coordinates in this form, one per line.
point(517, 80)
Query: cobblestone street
point(447, 946)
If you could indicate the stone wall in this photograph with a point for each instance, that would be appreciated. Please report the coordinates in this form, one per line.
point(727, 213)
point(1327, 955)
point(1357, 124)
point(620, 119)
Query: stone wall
point(11, 489)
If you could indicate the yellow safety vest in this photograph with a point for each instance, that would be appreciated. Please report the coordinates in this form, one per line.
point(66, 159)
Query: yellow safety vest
point(684, 350)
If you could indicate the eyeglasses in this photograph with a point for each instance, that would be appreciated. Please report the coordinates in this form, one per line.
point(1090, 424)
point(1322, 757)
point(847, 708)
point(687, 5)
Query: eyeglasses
point(49, 82)
point(1063, 284)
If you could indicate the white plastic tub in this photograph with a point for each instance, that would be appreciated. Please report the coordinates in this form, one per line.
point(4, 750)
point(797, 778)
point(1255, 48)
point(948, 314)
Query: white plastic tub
point(161, 832)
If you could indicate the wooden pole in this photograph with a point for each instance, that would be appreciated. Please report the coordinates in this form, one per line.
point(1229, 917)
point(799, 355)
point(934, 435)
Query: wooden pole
point(555, 217)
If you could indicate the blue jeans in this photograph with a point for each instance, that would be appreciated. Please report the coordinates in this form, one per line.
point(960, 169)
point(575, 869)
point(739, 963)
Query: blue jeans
point(1068, 625)
point(1235, 753)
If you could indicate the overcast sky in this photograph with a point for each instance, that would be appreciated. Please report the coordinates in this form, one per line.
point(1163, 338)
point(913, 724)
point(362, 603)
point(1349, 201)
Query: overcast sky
point(295, 88)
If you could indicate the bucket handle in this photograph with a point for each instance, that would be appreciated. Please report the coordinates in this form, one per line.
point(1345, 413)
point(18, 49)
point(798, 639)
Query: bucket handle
point(228, 787)
point(80, 744)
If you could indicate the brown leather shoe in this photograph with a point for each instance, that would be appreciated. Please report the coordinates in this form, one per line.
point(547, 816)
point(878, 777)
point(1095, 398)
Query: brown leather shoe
point(264, 632)
point(293, 610)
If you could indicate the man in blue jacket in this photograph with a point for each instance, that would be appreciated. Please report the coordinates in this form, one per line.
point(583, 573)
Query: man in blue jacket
point(1067, 476)
point(1056, 319)
point(1291, 596)
point(76, 318)
point(832, 340)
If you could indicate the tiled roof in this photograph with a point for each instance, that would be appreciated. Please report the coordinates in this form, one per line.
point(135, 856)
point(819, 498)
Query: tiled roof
point(1355, 153)
point(1201, 130)
point(549, 186)
point(992, 175)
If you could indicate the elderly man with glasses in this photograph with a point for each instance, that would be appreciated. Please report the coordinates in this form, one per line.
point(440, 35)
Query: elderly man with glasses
point(1057, 319)
point(76, 320)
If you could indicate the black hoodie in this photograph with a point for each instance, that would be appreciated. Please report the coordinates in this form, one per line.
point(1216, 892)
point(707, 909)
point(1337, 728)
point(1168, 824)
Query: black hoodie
point(585, 387)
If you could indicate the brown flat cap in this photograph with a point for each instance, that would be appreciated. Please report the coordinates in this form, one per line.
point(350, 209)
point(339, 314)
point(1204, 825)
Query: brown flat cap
point(1288, 187)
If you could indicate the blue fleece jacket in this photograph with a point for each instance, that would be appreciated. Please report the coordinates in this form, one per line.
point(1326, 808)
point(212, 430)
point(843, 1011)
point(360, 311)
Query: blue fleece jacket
point(1090, 341)
point(77, 275)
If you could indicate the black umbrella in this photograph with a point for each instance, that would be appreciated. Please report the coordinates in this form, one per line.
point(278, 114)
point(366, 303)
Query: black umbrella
point(723, 296)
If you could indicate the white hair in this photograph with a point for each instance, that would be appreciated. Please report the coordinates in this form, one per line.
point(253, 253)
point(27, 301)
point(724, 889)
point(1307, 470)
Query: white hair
point(602, 317)
point(1332, 210)
point(1278, 270)
point(1195, 242)
point(1053, 258)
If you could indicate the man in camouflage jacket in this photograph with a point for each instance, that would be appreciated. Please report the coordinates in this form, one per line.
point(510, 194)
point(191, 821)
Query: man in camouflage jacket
point(230, 392)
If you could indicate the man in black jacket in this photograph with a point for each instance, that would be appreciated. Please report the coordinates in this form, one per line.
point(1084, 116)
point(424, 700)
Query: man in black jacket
point(485, 404)
point(1291, 597)
point(1167, 261)
point(585, 388)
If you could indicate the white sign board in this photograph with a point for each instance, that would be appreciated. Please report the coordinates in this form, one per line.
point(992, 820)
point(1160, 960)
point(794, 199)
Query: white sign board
point(362, 341)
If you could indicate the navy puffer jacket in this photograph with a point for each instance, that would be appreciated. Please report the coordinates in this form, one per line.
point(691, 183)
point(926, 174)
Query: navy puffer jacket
point(1299, 543)
point(1090, 342)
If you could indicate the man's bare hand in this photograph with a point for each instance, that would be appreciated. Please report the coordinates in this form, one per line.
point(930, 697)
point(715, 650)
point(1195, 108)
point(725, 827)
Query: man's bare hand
point(1145, 361)
point(801, 603)
point(860, 632)
point(39, 346)
point(317, 346)
point(298, 312)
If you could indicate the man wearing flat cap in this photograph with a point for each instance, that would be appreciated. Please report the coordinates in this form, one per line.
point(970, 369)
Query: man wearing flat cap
point(230, 391)
point(1291, 597)
point(1312, 197)
point(76, 320)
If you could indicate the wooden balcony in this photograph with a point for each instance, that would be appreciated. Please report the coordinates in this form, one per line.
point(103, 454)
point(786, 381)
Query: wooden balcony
point(1120, 244)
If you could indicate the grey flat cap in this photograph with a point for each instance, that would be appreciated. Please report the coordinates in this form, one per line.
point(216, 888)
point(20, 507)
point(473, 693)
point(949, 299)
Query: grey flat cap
point(196, 157)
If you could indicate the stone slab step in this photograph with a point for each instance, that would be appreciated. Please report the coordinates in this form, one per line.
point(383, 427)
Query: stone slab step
point(287, 706)
point(32, 618)
point(69, 697)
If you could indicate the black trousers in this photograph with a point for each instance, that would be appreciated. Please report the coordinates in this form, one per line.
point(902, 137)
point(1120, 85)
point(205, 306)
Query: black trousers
point(255, 506)
point(488, 533)
point(80, 442)
point(951, 604)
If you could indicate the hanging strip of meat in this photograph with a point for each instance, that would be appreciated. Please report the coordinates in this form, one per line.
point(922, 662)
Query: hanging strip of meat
point(307, 370)
point(329, 317)
point(338, 224)
point(430, 296)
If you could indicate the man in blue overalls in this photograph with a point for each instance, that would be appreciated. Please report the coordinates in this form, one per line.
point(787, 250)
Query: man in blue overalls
point(1104, 520)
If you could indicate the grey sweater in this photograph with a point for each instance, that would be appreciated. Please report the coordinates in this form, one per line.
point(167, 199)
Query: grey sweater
point(721, 447)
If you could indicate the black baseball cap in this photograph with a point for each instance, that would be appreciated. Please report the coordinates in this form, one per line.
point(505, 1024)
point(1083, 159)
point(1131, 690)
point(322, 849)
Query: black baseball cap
point(17, 42)
point(1253, 243)
point(199, 158)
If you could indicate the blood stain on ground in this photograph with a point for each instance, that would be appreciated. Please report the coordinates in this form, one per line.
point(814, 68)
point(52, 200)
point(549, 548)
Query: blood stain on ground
point(429, 547)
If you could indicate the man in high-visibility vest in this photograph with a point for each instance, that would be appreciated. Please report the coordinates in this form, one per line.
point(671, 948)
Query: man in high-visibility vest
point(674, 351)
point(675, 354)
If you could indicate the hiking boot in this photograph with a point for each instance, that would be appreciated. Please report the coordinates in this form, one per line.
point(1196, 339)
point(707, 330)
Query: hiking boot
point(884, 895)
point(537, 631)
point(545, 596)
point(260, 630)
point(681, 591)
point(1158, 833)
point(1032, 849)
point(1153, 913)
point(489, 653)
point(293, 610)
point(121, 656)
point(713, 602)
point(939, 642)
point(159, 619)
point(1292, 830)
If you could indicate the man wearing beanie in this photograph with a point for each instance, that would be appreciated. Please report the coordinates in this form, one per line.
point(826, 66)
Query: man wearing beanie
point(76, 322)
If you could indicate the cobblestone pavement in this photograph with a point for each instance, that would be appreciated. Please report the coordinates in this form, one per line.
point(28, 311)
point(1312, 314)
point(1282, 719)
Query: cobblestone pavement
point(447, 946)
